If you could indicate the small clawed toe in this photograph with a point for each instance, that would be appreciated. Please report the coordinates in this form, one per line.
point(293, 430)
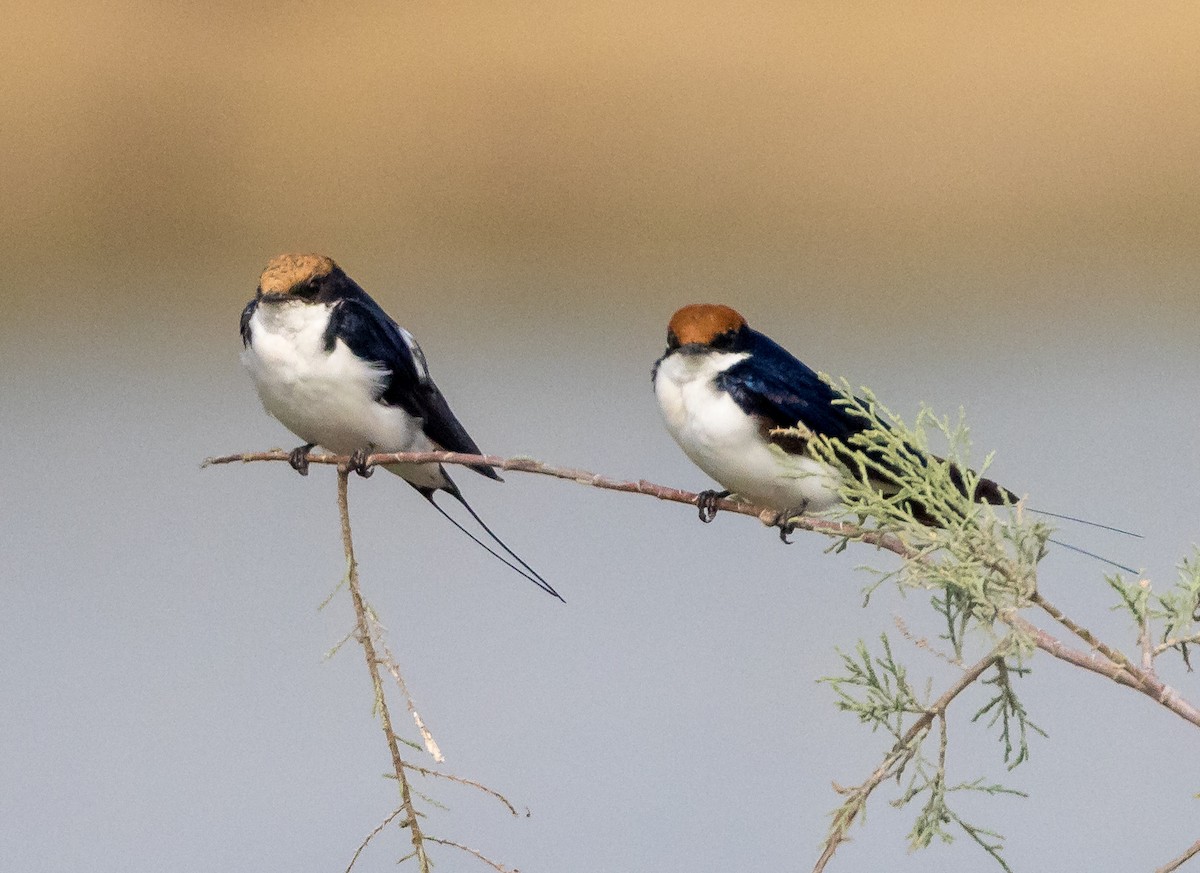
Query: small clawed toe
point(786, 525)
point(786, 528)
point(358, 463)
point(706, 502)
point(298, 459)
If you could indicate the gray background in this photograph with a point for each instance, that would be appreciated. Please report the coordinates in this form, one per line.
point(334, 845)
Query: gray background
point(960, 207)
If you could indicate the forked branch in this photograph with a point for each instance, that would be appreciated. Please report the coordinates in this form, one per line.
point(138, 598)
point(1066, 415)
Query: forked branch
point(1103, 659)
point(1099, 658)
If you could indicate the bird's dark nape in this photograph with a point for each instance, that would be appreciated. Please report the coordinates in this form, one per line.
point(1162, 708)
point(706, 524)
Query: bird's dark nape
point(524, 569)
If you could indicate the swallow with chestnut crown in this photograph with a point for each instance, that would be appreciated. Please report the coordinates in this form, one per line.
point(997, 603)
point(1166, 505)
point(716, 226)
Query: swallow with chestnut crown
point(739, 405)
point(339, 373)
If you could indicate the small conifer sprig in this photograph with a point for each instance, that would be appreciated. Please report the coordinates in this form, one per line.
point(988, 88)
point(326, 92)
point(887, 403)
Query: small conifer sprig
point(1173, 618)
point(979, 564)
point(876, 689)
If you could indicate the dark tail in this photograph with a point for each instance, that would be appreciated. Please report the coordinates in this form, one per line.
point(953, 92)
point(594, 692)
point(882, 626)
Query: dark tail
point(987, 491)
point(1077, 520)
point(523, 569)
point(1100, 558)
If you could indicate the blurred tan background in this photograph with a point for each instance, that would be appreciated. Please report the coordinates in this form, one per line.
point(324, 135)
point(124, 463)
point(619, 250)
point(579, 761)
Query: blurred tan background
point(635, 149)
point(969, 204)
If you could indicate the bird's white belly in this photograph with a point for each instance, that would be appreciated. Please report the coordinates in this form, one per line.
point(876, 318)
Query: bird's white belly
point(728, 445)
point(328, 398)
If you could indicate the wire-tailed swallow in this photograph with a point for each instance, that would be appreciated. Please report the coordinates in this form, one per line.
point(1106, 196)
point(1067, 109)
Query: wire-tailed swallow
point(724, 389)
point(338, 372)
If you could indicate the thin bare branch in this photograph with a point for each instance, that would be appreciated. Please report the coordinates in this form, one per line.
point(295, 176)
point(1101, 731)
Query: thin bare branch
point(1083, 633)
point(1151, 686)
point(838, 529)
point(495, 865)
point(1146, 644)
point(372, 835)
point(921, 642)
point(431, 745)
point(470, 783)
point(1192, 851)
point(367, 642)
point(1174, 642)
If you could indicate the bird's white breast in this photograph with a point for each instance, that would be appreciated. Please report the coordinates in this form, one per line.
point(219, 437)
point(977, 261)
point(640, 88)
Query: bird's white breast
point(325, 397)
point(728, 444)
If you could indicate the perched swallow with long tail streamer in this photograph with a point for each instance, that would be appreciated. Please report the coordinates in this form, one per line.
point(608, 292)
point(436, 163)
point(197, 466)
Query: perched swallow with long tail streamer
point(738, 405)
point(339, 373)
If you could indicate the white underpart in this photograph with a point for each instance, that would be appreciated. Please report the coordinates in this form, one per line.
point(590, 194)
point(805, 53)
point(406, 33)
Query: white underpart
point(328, 397)
point(729, 445)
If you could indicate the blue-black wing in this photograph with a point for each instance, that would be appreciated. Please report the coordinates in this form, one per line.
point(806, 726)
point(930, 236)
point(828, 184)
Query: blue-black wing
point(372, 335)
point(778, 388)
point(782, 391)
point(247, 314)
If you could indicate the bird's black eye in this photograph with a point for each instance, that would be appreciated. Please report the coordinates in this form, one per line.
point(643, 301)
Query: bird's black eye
point(724, 340)
point(307, 290)
point(672, 340)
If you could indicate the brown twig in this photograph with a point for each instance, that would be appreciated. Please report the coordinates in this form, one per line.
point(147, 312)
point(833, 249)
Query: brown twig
point(495, 865)
point(411, 821)
point(1145, 642)
point(886, 541)
point(372, 835)
point(1192, 851)
point(1174, 642)
point(470, 783)
point(431, 745)
point(1096, 662)
point(897, 758)
point(1083, 633)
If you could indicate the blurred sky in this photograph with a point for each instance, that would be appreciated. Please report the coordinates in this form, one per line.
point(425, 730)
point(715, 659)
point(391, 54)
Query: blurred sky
point(959, 204)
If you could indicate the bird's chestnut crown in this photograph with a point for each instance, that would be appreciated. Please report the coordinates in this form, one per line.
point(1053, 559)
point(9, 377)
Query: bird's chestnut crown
point(706, 324)
point(294, 274)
